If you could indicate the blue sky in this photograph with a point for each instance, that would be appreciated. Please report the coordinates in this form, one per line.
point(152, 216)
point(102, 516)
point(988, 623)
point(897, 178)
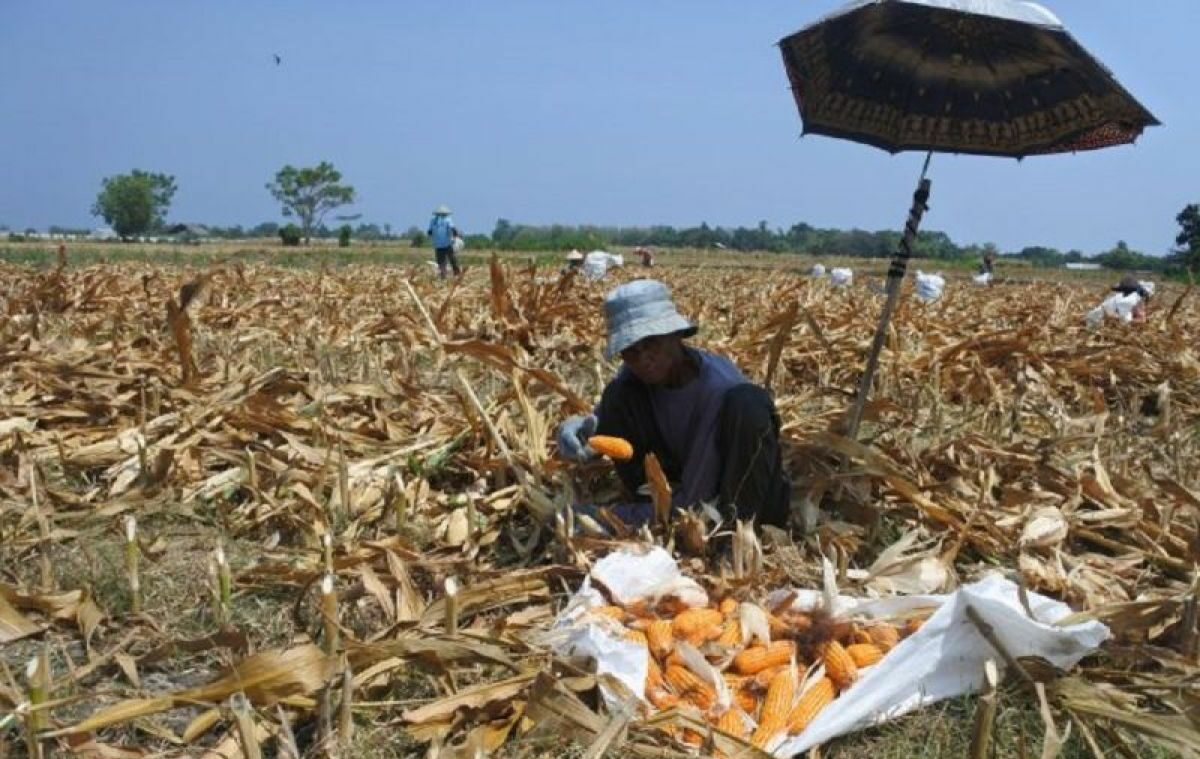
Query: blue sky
point(621, 112)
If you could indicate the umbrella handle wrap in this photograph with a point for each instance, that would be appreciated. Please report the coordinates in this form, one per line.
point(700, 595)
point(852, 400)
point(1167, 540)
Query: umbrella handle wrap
point(904, 252)
point(895, 277)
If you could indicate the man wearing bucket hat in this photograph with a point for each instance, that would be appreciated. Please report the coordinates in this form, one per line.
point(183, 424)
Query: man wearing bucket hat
point(715, 434)
point(443, 234)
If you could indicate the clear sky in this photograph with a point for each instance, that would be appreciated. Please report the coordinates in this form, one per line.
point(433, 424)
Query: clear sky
point(628, 112)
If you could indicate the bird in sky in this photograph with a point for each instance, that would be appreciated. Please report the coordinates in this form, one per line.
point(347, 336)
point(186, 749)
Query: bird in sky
point(278, 60)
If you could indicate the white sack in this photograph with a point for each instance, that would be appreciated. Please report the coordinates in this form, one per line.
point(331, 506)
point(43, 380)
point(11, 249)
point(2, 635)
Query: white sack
point(840, 277)
point(943, 659)
point(1121, 306)
point(817, 271)
point(983, 278)
point(929, 286)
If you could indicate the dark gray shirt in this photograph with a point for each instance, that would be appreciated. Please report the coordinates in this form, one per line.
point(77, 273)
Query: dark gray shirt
point(687, 418)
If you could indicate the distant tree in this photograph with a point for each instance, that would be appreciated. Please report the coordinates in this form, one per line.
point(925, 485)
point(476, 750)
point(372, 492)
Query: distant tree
point(344, 233)
point(308, 193)
point(134, 203)
point(266, 229)
point(290, 235)
point(1187, 254)
point(415, 236)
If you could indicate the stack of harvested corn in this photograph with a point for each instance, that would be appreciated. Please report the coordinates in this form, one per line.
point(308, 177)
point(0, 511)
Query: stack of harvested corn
point(753, 674)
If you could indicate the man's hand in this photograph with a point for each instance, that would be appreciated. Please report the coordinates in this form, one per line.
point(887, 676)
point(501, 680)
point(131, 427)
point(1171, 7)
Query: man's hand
point(572, 438)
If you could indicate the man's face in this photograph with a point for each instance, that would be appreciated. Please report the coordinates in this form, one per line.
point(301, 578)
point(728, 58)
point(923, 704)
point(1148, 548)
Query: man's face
point(652, 359)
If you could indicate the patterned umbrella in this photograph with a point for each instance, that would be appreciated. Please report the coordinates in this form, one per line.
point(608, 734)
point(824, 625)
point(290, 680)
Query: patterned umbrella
point(988, 77)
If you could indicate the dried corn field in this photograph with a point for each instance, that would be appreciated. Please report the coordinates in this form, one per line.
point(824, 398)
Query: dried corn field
point(253, 511)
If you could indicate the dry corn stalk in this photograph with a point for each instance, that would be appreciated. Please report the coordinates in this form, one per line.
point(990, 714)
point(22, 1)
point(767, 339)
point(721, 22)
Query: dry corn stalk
point(660, 490)
point(131, 565)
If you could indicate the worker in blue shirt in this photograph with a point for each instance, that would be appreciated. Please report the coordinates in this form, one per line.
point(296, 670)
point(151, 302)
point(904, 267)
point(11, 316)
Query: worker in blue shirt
point(445, 239)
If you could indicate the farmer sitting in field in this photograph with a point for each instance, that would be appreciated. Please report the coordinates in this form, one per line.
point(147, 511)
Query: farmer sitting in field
point(715, 433)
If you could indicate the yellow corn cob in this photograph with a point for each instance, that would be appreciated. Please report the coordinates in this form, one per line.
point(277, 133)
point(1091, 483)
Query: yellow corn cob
point(702, 700)
point(763, 679)
point(776, 707)
point(658, 634)
point(637, 636)
point(692, 738)
point(810, 704)
point(662, 699)
point(885, 636)
point(654, 676)
point(728, 605)
point(839, 667)
point(690, 687)
point(865, 654)
point(912, 626)
point(743, 695)
point(692, 621)
point(733, 721)
point(615, 448)
point(704, 635)
point(861, 636)
point(778, 627)
point(612, 612)
point(731, 635)
point(685, 681)
point(757, 658)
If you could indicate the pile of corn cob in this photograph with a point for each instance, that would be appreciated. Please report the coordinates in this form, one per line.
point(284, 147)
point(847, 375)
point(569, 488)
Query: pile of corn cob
point(753, 674)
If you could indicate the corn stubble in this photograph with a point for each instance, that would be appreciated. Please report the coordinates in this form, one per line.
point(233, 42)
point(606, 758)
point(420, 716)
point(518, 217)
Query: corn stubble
point(317, 417)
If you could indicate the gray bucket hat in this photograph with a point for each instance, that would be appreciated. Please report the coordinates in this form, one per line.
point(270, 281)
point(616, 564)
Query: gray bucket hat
point(442, 210)
point(640, 309)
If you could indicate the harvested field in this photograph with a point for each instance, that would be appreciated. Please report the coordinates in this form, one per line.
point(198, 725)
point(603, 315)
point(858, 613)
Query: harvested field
point(270, 429)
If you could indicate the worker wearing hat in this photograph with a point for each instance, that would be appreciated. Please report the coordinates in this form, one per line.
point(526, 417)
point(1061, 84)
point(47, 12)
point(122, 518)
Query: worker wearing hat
point(715, 433)
point(444, 234)
point(574, 262)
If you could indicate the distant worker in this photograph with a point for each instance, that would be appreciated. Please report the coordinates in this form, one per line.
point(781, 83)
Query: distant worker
point(989, 263)
point(715, 434)
point(444, 236)
point(646, 254)
point(574, 262)
point(1129, 285)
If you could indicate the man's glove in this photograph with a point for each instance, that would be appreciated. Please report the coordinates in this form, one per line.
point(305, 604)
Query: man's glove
point(572, 438)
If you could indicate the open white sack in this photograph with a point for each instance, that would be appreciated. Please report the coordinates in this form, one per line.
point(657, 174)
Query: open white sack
point(943, 659)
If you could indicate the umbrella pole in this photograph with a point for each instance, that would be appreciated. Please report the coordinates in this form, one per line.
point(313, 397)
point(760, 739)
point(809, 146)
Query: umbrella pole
point(895, 275)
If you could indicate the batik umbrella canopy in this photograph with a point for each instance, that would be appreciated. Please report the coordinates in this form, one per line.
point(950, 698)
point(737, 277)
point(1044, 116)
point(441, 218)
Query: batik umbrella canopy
point(988, 77)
